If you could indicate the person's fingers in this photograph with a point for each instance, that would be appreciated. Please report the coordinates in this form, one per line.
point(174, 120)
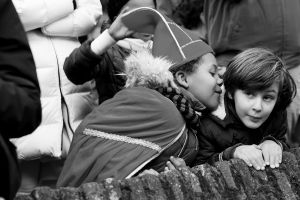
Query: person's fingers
point(141, 174)
point(167, 169)
point(148, 171)
point(257, 160)
point(153, 172)
point(266, 156)
point(247, 161)
point(276, 160)
point(261, 160)
point(272, 160)
point(170, 165)
point(177, 162)
point(255, 163)
point(280, 156)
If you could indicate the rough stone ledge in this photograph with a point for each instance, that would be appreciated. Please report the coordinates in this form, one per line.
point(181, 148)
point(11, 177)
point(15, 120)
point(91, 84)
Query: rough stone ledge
point(226, 180)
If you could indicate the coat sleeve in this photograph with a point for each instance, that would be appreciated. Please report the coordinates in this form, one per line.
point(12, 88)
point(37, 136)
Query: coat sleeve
point(210, 147)
point(20, 107)
point(38, 13)
point(78, 23)
point(80, 65)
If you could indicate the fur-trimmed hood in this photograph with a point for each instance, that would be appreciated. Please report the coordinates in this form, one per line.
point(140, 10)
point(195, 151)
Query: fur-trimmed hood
point(143, 69)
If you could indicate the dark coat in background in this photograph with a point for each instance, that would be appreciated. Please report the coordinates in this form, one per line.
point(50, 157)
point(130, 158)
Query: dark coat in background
point(235, 25)
point(20, 107)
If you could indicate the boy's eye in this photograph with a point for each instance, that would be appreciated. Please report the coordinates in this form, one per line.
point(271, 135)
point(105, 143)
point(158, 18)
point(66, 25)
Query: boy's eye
point(249, 94)
point(212, 73)
point(269, 98)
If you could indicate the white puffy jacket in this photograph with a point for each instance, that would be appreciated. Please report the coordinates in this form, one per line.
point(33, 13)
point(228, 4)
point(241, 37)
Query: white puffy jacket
point(52, 28)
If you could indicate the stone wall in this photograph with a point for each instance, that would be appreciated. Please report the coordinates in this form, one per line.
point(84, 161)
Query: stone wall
point(225, 180)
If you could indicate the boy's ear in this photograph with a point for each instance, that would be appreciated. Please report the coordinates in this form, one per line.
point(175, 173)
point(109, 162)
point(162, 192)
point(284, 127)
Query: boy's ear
point(230, 96)
point(181, 79)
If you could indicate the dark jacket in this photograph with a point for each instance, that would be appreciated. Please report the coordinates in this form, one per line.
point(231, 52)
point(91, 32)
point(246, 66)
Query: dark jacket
point(84, 65)
point(235, 25)
point(20, 107)
point(223, 136)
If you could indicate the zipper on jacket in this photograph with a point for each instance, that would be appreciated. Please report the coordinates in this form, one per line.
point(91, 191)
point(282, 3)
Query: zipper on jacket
point(63, 101)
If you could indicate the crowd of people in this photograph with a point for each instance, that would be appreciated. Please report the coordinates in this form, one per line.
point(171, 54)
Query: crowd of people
point(120, 88)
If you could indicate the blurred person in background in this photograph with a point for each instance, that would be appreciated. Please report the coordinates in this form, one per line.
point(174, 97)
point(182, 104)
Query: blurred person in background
point(20, 107)
point(53, 28)
point(186, 13)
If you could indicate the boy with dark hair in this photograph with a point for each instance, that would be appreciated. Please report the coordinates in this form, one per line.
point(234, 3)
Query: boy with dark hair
point(258, 91)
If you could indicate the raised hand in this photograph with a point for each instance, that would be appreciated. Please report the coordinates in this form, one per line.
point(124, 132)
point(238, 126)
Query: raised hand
point(118, 30)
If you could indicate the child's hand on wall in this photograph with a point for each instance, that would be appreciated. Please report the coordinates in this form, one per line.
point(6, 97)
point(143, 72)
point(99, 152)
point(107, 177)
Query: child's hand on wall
point(175, 163)
point(272, 153)
point(148, 171)
point(252, 155)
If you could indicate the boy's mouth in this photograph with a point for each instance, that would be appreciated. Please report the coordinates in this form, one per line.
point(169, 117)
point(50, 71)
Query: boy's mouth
point(218, 91)
point(254, 118)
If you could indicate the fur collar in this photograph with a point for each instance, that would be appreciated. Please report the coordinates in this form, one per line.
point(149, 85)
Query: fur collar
point(143, 69)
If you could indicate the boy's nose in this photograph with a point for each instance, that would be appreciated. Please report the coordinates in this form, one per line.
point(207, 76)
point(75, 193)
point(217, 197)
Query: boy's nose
point(221, 71)
point(257, 104)
point(219, 80)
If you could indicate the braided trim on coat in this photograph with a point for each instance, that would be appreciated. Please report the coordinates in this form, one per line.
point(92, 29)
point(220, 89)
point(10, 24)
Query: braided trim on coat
point(121, 138)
